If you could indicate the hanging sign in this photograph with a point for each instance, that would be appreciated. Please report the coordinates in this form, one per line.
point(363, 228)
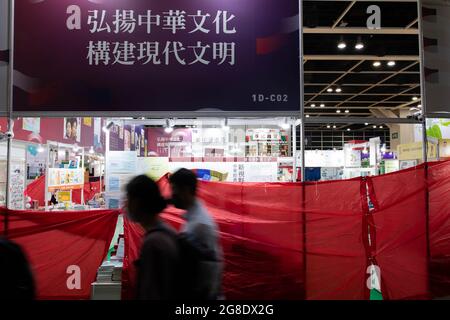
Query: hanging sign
point(163, 55)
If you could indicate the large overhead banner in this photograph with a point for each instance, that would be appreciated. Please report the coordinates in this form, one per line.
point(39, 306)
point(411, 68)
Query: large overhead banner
point(162, 55)
point(436, 44)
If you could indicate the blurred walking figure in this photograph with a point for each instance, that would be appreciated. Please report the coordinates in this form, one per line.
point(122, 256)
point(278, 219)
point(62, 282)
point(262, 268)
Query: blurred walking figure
point(16, 279)
point(199, 241)
point(158, 262)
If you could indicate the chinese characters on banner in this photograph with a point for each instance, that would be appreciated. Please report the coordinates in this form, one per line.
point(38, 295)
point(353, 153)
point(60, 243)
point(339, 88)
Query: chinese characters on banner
point(155, 52)
point(164, 56)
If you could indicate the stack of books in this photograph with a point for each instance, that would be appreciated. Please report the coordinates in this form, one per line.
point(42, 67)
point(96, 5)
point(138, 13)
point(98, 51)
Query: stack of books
point(105, 272)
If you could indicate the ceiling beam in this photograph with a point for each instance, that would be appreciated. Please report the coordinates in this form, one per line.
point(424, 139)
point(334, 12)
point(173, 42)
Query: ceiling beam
point(356, 57)
point(360, 30)
point(343, 14)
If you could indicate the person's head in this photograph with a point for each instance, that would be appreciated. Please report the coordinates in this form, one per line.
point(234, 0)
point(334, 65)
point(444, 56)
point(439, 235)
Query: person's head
point(184, 188)
point(144, 200)
point(68, 128)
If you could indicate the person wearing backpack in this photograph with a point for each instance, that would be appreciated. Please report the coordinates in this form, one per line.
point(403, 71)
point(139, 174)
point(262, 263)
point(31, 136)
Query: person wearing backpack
point(201, 253)
point(159, 259)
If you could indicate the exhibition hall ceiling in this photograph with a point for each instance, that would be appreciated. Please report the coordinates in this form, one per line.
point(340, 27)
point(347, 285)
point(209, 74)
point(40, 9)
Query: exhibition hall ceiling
point(353, 71)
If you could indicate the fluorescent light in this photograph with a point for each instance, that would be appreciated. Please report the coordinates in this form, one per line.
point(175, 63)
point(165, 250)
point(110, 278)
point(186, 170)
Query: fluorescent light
point(376, 64)
point(391, 63)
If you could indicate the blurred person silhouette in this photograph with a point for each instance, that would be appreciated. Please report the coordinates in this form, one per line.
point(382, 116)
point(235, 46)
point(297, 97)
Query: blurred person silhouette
point(201, 253)
point(16, 278)
point(158, 261)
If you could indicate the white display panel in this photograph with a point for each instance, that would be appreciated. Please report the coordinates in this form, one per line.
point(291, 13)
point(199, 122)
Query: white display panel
point(322, 158)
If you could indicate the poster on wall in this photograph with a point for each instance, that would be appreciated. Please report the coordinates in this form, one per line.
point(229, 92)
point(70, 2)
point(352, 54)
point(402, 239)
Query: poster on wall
point(31, 124)
point(65, 179)
point(72, 129)
point(134, 55)
point(17, 186)
point(97, 134)
point(436, 47)
point(160, 143)
point(438, 128)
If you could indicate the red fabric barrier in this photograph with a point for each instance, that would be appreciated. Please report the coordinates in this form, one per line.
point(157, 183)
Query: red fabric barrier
point(399, 230)
point(260, 232)
point(262, 237)
point(439, 222)
point(53, 241)
point(336, 255)
point(35, 190)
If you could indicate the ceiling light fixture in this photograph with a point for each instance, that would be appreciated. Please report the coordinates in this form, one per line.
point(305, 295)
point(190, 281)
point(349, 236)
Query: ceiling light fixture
point(359, 45)
point(322, 105)
point(347, 111)
point(330, 90)
point(338, 90)
point(285, 125)
point(107, 127)
point(391, 63)
point(341, 44)
point(376, 64)
point(225, 125)
point(168, 127)
point(338, 111)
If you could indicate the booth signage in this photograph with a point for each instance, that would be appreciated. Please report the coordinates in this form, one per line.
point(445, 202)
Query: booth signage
point(176, 55)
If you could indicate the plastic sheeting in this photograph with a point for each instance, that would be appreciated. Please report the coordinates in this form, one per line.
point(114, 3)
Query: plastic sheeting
point(439, 222)
point(399, 233)
point(57, 243)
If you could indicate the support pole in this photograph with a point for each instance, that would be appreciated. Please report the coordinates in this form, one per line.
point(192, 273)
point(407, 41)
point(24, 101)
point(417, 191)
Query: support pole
point(302, 144)
point(10, 109)
point(424, 137)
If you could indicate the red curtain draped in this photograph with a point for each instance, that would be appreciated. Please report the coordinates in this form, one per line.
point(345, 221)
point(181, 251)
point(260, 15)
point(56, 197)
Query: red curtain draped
point(399, 230)
point(439, 222)
point(53, 241)
point(35, 190)
point(260, 232)
point(336, 260)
